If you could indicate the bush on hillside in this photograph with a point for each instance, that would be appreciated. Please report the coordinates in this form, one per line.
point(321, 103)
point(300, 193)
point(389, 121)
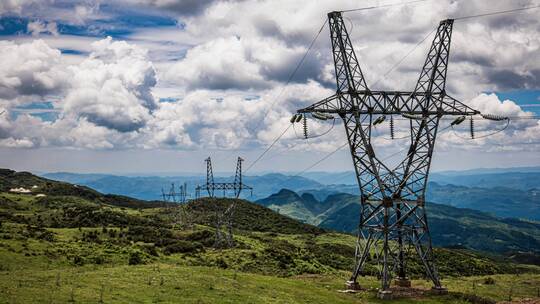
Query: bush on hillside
point(182, 247)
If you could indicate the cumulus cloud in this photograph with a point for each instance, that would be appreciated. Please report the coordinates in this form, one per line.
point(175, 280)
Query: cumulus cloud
point(238, 63)
point(229, 87)
point(30, 69)
point(112, 88)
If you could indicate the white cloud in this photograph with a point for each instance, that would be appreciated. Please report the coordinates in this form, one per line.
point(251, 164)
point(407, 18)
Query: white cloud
point(38, 27)
point(112, 88)
point(30, 69)
point(17, 6)
point(234, 50)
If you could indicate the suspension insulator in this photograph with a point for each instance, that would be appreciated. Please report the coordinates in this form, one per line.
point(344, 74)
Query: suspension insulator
point(305, 126)
point(494, 117)
point(392, 135)
point(293, 118)
point(379, 120)
point(472, 128)
point(457, 121)
point(298, 117)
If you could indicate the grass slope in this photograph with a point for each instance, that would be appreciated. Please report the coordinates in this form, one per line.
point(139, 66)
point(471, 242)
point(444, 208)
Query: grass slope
point(69, 248)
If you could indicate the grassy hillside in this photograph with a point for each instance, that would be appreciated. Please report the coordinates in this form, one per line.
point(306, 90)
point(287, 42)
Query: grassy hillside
point(69, 248)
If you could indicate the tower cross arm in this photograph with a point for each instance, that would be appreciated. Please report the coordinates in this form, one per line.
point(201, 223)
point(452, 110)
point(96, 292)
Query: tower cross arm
point(368, 102)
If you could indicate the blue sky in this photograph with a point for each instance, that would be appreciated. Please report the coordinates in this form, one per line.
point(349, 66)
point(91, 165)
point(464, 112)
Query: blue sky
point(151, 86)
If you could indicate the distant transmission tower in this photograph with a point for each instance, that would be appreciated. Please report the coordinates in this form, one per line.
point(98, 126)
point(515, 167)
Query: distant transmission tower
point(180, 214)
point(393, 217)
point(174, 196)
point(237, 186)
point(224, 218)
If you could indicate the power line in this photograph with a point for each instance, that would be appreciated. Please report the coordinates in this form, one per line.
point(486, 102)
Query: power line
point(403, 58)
point(498, 12)
point(269, 147)
point(291, 76)
point(381, 6)
point(320, 160)
point(289, 79)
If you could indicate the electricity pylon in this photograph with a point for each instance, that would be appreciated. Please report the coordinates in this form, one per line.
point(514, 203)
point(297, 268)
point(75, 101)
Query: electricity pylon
point(393, 218)
point(224, 219)
point(237, 186)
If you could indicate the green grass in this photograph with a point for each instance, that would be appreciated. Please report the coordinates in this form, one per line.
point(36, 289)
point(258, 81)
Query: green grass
point(166, 283)
point(276, 260)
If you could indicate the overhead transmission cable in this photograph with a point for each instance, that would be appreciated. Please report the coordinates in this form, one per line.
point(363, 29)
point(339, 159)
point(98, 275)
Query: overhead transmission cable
point(320, 160)
point(269, 147)
point(312, 43)
point(497, 12)
point(381, 6)
point(399, 62)
point(289, 79)
point(291, 76)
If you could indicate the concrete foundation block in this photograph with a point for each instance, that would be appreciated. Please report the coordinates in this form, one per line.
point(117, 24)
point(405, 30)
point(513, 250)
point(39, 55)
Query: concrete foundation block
point(384, 294)
point(439, 290)
point(352, 285)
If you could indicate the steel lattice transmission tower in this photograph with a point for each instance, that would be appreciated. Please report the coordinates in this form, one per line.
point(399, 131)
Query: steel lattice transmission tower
point(393, 218)
point(237, 186)
point(224, 218)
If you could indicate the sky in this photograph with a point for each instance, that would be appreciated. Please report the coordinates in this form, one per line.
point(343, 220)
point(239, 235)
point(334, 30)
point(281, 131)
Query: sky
point(139, 86)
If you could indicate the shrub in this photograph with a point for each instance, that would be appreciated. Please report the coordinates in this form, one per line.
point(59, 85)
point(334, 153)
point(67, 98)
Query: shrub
point(204, 237)
point(221, 263)
point(98, 259)
point(135, 258)
point(182, 247)
point(489, 281)
point(78, 260)
point(150, 249)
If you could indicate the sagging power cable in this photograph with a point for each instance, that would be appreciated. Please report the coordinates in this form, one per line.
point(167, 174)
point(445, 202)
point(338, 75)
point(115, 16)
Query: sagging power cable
point(381, 6)
point(269, 147)
point(497, 12)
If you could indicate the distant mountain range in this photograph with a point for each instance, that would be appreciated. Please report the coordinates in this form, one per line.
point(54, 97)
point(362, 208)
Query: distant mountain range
point(149, 187)
point(502, 192)
point(449, 226)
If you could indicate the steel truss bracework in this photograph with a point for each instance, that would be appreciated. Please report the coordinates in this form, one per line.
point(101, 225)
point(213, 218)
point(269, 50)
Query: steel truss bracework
point(237, 186)
point(393, 222)
point(173, 196)
point(224, 218)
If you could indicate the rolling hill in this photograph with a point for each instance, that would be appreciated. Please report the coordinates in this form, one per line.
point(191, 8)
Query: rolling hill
point(67, 243)
point(450, 226)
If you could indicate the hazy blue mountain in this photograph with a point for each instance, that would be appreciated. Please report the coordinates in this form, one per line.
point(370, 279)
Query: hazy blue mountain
point(505, 194)
point(149, 187)
point(450, 226)
point(501, 201)
point(332, 178)
point(513, 180)
point(489, 171)
point(523, 178)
